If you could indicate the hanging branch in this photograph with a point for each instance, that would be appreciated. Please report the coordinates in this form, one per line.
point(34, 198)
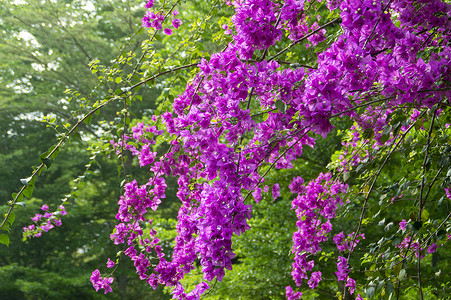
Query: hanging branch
point(74, 128)
point(420, 204)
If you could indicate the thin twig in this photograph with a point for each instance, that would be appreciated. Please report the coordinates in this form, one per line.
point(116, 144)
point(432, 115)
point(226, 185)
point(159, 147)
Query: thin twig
point(431, 184)
point(420, 204)
point(362, 214)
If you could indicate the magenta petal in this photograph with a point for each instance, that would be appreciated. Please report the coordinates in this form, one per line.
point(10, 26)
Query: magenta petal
point(176, 23)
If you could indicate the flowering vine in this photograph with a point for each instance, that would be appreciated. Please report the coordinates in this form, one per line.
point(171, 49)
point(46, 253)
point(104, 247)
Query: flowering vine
point(218, 149)
point(245, 113)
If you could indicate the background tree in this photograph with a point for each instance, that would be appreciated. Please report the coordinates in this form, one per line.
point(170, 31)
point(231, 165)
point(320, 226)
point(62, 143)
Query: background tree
point(45, 51)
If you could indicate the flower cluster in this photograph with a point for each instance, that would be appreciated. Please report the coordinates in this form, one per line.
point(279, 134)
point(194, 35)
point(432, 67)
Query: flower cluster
point(155, 20)
point(218, 144)
point(48, 221)
point(342, 268)
point(292, 295)
point(194, 294)
point(255, 23)
point(409, 244)
point(101, 282)
point(315, 206)
point(348, 244)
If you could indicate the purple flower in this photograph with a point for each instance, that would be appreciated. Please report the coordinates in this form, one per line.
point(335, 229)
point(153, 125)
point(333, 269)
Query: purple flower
point(296, 186)
point(156, 24)
point(257, 193)
point(146, 157)
point(45, 207)
point(110, 263)
point(198, 291)
point(432, 248)
point(314, 280)
point(351, 284)
point(149, 4)
point(176, 23)
point(36, 217)
point(291, 295)
point(100, 282)
point(106, 284)
point(276, 191)
point(95, 278)
point(167, 31)
point(342, 267)
point(47, 215)
point(46, 227)
point(402, 224)
point(338, 239)
point(145, 22)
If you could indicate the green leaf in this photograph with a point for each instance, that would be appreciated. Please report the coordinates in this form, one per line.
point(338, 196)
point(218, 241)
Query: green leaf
point(47, 162)
point(384, 138)
point(388, 226)
point(443, 161)
point(418, 124)
point(281, 106)
point(402, 274)
point(346, 176)
point(11, 218)
point(424, 215)
point(387, 130)
point(368, 133)
point(370, 291)
point(87, 120)
point(28, 192)
point(417, 225)
point(14, 195)
point(55, 154)
point(76, 136)
point(118, 80)
point(397, 268)
point(4, 239)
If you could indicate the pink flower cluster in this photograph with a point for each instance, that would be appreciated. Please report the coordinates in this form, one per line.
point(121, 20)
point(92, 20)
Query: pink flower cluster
point(409, 244)
point(315, 206)
point(156, 19)
point(254, 21)
point(348, 244)
point(101, 282)
point(218, 145)
point(48, 221)
point(291, 295)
